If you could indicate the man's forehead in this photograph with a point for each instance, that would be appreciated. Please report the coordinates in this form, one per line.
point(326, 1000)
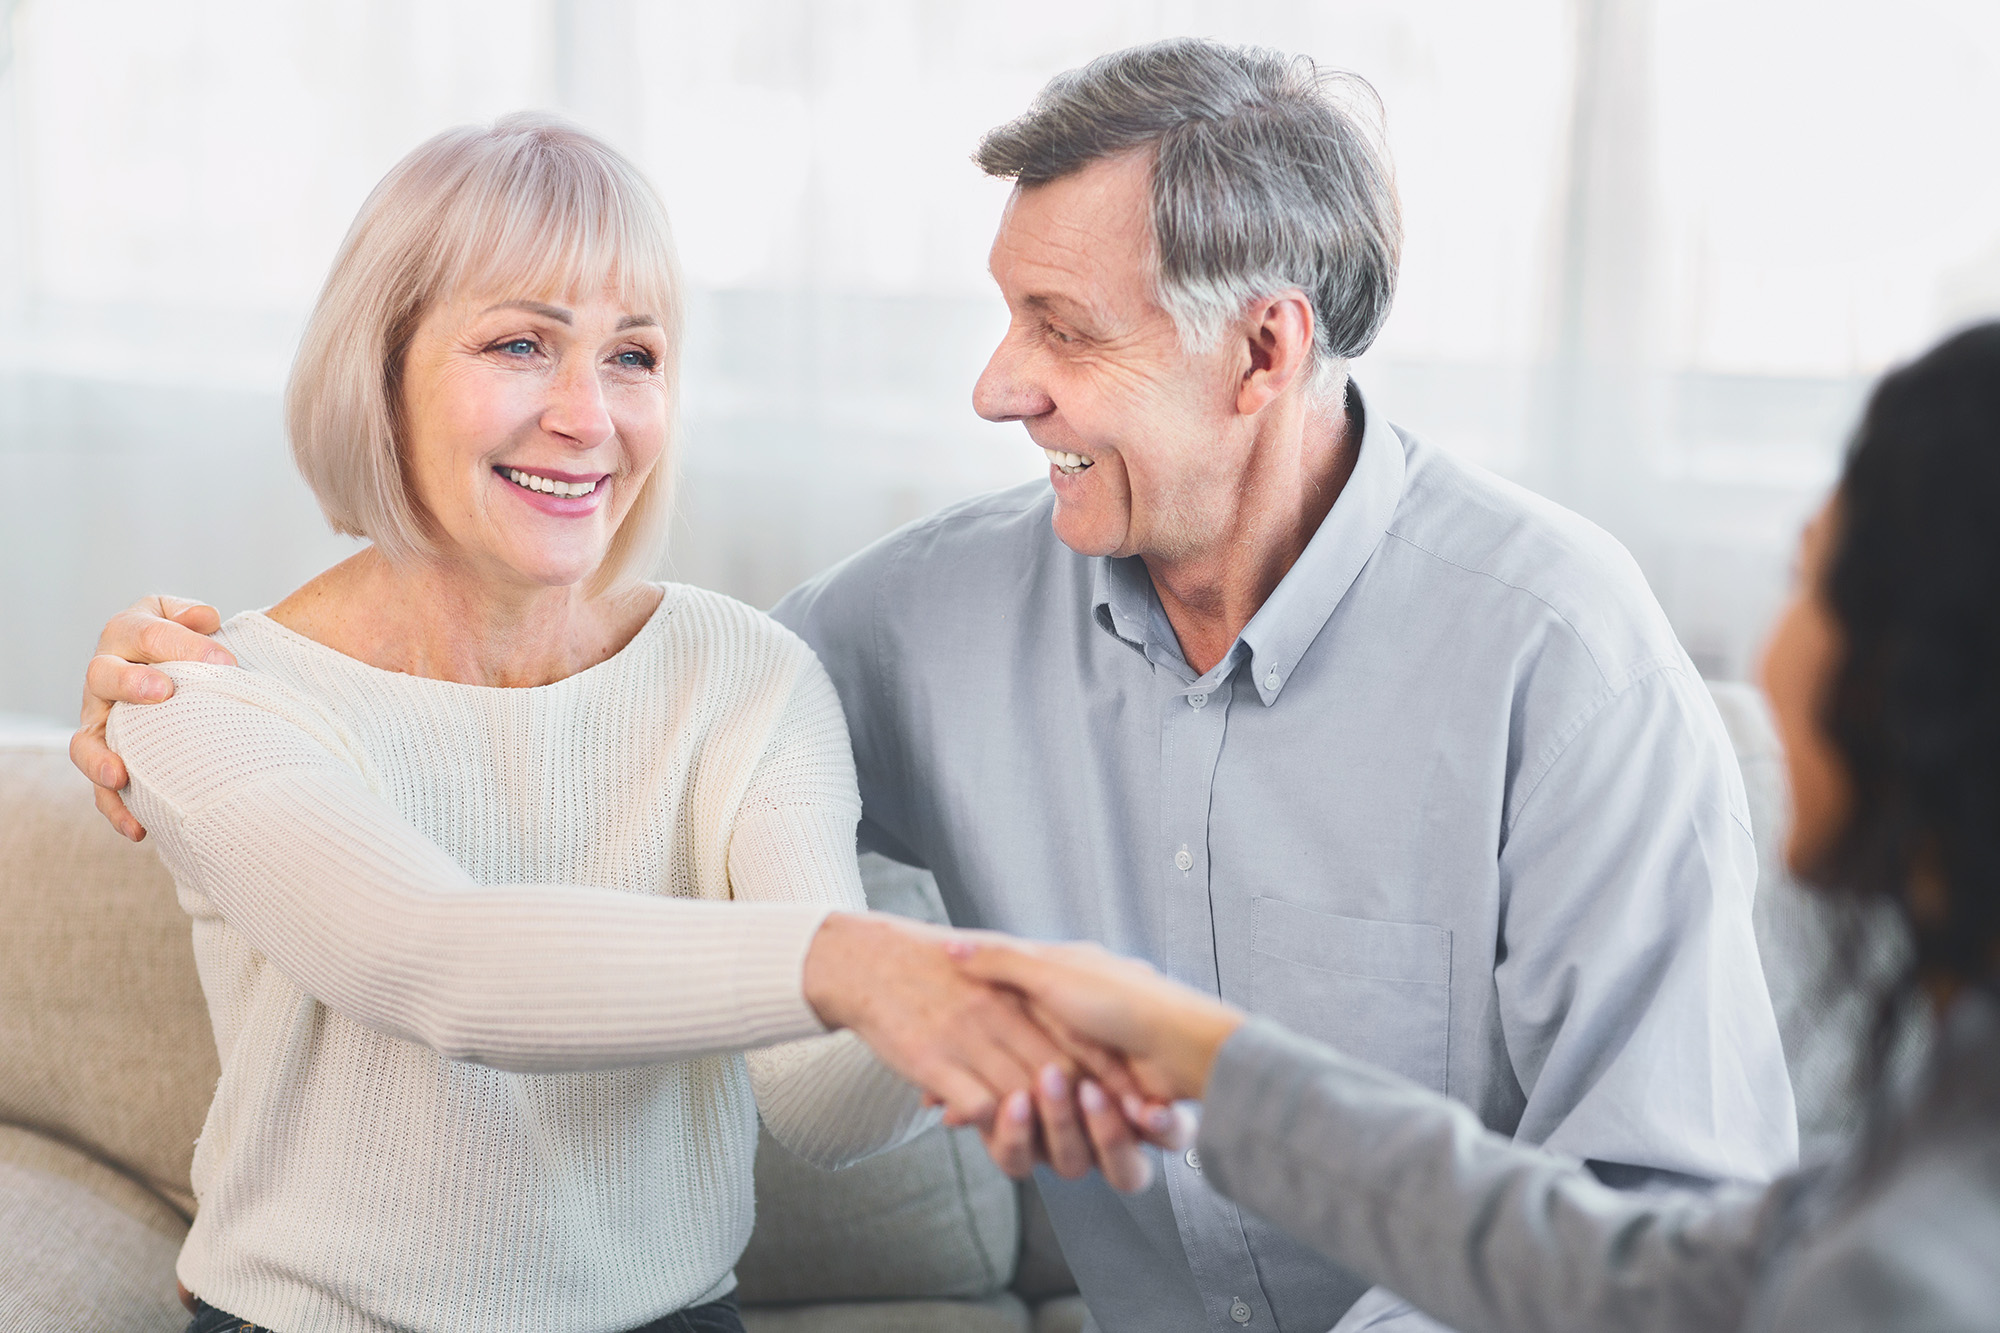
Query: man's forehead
point(1090, 230)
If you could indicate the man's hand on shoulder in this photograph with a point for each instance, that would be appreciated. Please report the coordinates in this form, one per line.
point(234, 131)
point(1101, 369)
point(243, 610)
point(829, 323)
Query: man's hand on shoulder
point(152, 629)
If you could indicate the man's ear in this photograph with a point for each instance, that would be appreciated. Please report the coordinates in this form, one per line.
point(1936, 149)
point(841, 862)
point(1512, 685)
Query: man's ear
point(1278, 335)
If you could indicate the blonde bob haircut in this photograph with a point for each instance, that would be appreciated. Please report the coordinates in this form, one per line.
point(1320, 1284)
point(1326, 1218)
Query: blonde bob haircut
point(531, 206)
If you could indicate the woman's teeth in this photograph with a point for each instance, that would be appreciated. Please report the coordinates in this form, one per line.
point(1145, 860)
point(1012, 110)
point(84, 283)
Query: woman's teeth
point(1069, 463)
point(548, 485)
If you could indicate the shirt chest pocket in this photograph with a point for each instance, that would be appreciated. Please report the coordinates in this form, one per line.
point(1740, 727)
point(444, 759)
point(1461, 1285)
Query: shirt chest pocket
point(1376, 990)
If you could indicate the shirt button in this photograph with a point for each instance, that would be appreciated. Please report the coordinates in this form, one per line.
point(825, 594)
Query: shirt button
point(1239, 1311)
point(1194, 1159)
point(1197, 701)
point(1271, 681)
point(1183, 859)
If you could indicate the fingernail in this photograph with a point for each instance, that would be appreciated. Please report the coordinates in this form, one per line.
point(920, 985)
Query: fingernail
point(959, 949)
point(217, 657)
point(1092, 1097)
point(107, 775)
point(1161, 1119)
point(1054, 1086)
point(156, 688)
point(1018, 1108)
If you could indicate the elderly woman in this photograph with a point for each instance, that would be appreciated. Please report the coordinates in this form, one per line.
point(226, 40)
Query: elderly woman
point(1884, 675)
point(497, 855)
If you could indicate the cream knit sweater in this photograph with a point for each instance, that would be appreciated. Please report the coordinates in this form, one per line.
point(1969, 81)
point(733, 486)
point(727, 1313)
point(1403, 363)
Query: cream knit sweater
point(479, 961)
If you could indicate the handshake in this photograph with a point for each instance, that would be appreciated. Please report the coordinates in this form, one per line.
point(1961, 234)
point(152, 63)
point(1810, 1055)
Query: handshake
point(1061, 1054)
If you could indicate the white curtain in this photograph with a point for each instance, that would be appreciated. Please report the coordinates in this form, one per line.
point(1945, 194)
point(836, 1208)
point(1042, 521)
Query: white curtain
point(1656, 252)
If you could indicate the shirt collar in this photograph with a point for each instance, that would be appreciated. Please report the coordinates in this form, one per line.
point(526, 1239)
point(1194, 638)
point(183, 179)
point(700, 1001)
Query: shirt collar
point(1123, 601)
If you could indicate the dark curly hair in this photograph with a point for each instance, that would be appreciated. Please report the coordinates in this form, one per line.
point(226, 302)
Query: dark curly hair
point(1914, 710)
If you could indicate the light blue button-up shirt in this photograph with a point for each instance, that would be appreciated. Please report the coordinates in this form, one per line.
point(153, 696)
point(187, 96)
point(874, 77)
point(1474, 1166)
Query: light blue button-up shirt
point(1456, 803)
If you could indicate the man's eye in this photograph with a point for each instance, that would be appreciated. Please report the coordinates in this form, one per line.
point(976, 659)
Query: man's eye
point(516, 347)
point(1059, 335)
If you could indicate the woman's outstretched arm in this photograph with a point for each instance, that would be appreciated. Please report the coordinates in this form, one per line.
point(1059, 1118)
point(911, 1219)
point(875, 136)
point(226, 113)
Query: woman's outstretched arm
point(266, 817)
point(263, 814)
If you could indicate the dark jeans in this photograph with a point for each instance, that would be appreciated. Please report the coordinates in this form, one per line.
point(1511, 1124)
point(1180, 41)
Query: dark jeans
point(716, 1317)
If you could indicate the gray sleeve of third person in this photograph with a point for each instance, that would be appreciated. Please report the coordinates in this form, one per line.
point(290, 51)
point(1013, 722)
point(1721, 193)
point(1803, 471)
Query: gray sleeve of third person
point(840, 614)
point(1406, 1188)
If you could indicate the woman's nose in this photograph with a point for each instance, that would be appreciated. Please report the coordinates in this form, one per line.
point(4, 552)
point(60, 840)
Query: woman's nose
point(1008, 390)
point(576, 407)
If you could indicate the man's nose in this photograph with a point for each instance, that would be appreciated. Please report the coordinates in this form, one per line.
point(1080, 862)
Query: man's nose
point(1008, 389)
point(576, 406)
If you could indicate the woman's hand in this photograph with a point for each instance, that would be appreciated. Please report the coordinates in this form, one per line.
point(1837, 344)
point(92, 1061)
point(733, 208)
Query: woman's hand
point(974, 1048)
point(152, 629)
point(1167, 1033)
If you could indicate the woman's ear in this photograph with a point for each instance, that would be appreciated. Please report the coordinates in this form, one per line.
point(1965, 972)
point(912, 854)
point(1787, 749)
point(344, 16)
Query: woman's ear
point(1279, 339)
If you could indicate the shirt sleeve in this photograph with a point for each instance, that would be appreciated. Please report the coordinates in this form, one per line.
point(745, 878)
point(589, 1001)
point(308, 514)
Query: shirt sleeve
point(839, 613)
point(826, 1098)
point(263, 812)
point(1632, 999)
point(1407, 1188)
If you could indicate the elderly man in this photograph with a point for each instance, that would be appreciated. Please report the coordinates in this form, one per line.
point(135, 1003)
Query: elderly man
point(1267, 691)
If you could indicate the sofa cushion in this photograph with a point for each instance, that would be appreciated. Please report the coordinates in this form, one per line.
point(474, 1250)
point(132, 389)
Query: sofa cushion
point(1064, 1314)
point(105, 1042)
point(31, 1151)
point(74, 1256)
point(931, 1218)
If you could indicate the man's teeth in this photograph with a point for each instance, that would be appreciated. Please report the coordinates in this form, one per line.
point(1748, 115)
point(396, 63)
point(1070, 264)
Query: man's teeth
point(548, 485)
point(1071, 463)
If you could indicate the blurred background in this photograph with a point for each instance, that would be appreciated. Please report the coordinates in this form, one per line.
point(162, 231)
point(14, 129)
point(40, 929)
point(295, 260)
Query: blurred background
point(1656, 253)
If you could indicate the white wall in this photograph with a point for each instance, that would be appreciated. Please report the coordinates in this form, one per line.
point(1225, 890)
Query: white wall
point(1656, 252)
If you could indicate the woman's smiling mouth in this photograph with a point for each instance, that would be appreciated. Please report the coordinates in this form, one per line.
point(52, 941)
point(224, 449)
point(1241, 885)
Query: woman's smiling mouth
point(542, 484)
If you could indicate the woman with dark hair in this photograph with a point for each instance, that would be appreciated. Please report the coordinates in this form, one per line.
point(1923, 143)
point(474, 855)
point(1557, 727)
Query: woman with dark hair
point(1884, 676)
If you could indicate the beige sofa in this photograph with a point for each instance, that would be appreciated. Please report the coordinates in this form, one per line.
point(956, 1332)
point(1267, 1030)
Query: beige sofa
point(107, 1063)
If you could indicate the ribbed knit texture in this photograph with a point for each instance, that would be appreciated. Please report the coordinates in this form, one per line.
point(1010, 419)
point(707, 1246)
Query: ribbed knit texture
point(477, 960)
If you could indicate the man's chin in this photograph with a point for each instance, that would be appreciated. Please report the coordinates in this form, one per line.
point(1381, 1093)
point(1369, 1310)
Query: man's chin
point(1087, 533)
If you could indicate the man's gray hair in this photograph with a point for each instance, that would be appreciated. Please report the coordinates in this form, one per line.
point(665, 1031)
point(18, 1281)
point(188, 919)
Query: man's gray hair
point(1269, 173)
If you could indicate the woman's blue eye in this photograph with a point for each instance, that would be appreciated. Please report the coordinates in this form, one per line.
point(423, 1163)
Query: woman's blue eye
point(518, 346)
point(642, 360)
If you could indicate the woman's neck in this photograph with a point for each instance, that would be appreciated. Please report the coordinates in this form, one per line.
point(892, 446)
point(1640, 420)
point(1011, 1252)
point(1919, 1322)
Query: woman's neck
point(443, 623)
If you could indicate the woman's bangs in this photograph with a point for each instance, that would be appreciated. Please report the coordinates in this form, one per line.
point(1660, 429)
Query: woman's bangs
point(564, 235)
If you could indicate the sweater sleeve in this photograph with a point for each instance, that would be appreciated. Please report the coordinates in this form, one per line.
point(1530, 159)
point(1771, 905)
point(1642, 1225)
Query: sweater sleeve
point(826, 1098)
point(260, 805)
point(1406, 1188)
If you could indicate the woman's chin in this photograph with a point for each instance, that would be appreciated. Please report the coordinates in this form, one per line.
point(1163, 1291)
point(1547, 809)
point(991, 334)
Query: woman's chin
point(551, 569)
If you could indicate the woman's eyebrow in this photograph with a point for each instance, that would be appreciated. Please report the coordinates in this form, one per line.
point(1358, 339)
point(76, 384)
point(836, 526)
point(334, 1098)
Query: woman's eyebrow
point(563, 316)
point(554, 312)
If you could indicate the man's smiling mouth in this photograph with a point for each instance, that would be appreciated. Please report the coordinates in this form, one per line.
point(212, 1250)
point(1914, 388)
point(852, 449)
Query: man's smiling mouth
point(1068, 464)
